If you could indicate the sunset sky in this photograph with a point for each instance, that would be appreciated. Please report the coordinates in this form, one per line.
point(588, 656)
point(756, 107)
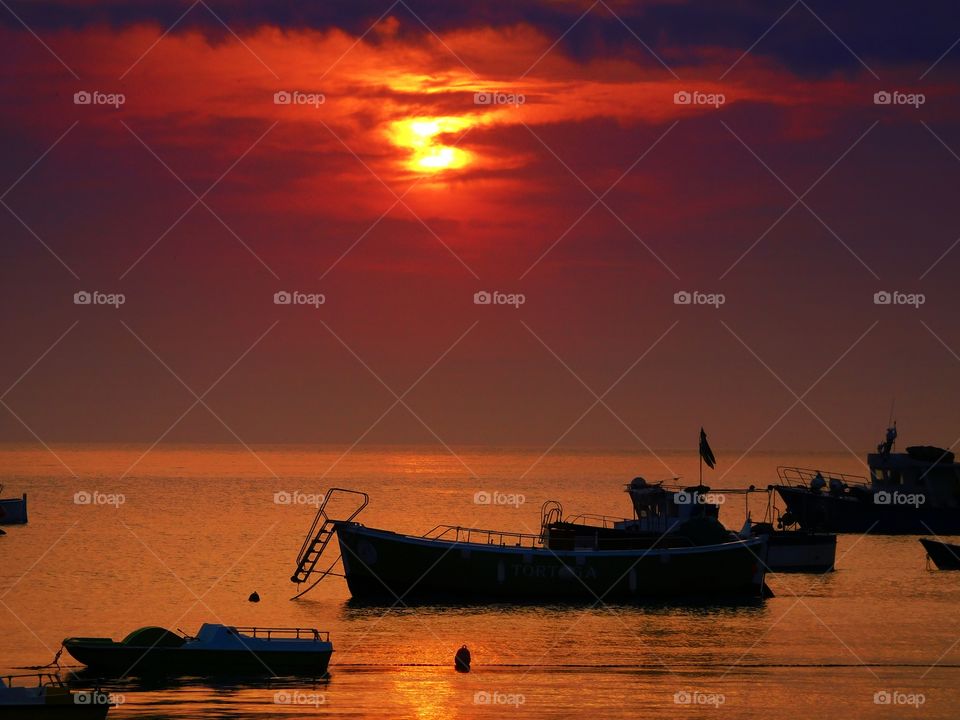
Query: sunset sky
point(594, 191)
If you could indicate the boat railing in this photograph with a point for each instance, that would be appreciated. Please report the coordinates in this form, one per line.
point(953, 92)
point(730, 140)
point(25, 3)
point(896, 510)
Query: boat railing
point(280, 633)
point(798, 476)
point(43, 679)
point(605, 521)
point(458, 534)
point(323, 516)
point(660, 488)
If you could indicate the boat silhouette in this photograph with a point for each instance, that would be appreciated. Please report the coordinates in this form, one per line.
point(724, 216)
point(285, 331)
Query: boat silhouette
point(456, 563)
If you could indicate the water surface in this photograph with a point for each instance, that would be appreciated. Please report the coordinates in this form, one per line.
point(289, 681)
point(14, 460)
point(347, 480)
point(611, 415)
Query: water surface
point(182, 536)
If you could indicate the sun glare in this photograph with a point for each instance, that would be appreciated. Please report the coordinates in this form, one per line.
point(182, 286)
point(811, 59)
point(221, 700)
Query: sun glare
point(421, 136)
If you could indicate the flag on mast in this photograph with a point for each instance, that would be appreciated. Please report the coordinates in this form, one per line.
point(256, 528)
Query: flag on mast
point(705, 452)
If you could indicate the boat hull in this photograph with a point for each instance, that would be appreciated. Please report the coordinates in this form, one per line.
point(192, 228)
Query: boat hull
point(384, 566)
point(119, 660)
point(13, 511)
point(850, 514)
point(944, 555)
point(800, 551)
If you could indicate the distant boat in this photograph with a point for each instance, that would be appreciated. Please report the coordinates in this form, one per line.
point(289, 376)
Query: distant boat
point(667, 516)
point(916, 492)
point(800, 551)
point(45, 695)
point(461, 564)
point(792, 549)
point(13, 511)
point(944, 555)
point(216, 649)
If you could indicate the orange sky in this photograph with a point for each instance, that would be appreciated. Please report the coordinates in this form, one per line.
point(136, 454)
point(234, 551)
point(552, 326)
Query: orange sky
point(399, 196)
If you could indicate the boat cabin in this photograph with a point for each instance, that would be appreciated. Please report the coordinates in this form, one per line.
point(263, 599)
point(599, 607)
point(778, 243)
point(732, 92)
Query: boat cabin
point(922, 469)
point(662, 509)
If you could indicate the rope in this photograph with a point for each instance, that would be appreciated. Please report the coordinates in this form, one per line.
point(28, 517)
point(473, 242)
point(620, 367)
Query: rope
point(55, 662)
point(317, 581)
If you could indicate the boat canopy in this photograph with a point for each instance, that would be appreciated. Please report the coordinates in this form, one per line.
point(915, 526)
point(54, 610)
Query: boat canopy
point(152, 636)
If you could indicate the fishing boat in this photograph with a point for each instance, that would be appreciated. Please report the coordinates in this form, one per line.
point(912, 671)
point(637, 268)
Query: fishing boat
point(13, 511)
point(452, 563)
point(467, 564)
point(216, 649)
point(675, 516)
point(44, 696)
point(944, 555)
point(916, 492)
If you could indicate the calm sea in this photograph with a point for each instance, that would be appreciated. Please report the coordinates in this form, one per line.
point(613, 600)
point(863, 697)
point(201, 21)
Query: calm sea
point(182, 536)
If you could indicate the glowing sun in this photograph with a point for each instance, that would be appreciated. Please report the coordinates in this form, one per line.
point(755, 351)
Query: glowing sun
point(422, 137)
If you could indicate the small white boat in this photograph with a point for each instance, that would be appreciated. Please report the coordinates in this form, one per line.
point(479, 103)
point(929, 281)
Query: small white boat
point(13, 511)
point(45, 695)
point(803, 551)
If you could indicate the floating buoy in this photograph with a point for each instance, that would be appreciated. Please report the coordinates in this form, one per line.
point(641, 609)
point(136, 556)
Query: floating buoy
point(254, 597)
point(461, 661)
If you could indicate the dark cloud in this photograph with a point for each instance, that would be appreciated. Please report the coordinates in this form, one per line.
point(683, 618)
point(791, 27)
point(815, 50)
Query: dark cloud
point(813, 38)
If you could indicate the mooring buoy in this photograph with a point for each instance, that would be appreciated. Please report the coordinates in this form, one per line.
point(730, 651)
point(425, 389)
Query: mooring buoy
point(254, 596)
point(461, 661)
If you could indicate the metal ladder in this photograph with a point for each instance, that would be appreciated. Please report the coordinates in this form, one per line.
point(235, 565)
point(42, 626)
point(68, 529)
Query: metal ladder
point(319, 535)
point(550, 512)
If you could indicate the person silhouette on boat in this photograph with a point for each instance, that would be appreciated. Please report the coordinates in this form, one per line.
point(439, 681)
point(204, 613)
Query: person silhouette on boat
point(818, 483)
point(886, 446)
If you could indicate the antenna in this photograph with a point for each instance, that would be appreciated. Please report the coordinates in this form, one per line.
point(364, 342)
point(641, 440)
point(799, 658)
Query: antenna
point(893, 402)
